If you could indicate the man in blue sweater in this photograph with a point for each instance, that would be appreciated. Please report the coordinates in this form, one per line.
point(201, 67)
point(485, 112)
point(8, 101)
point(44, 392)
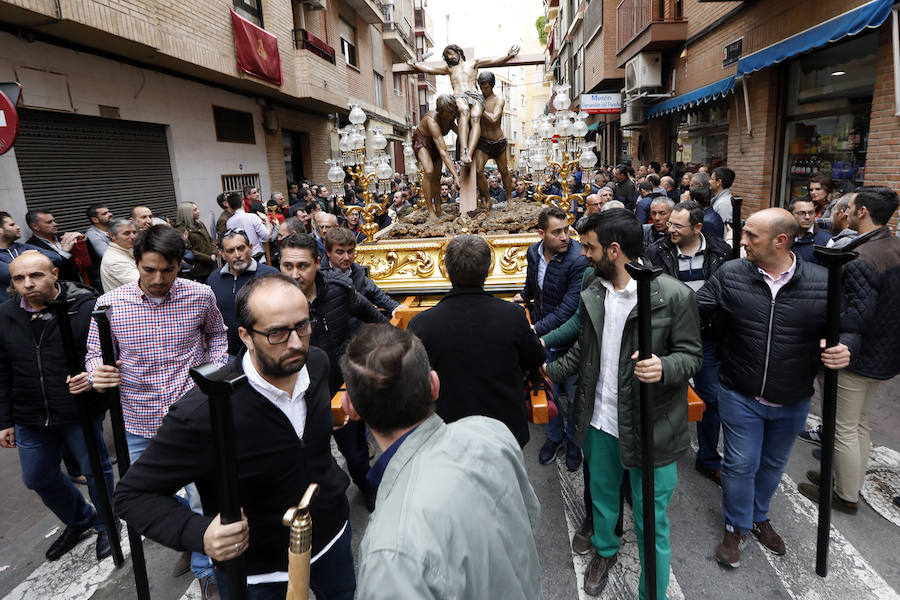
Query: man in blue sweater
point(553, 284)
point(235, 248)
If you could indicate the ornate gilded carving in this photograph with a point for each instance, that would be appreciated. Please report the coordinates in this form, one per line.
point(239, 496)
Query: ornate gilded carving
point(417, 263)
point(513, 259)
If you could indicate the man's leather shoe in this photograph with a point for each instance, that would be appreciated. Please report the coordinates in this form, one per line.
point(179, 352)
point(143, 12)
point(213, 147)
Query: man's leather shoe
point(548, 451)
point(597, 573)
point(714, 475)
point(837, 503)
point(103, 547)
point(581, 541)
point(182, 565)
point(573, 456)
point(67, 540)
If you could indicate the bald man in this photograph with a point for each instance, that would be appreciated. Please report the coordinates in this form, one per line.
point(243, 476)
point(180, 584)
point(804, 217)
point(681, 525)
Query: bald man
point(37, 397)
point(325, 222)
point(773, 308)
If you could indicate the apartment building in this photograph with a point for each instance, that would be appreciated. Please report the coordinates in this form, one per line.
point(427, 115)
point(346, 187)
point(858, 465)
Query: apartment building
point(775, 90)
point(152, 102)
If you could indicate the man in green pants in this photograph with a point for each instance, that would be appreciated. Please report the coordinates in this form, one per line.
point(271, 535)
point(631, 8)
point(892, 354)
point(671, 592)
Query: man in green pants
point(607, 404)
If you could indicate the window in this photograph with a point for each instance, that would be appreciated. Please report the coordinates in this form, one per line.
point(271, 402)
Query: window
point(423, 102)
point(398, 85)
point(578, 73)
point(379, 91)
point(250, 10)
point(234, 126)
point(348, 43)
point(236, 183)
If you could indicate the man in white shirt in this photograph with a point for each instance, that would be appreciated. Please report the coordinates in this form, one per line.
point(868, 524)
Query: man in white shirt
point(607, 404)
point(258, 229)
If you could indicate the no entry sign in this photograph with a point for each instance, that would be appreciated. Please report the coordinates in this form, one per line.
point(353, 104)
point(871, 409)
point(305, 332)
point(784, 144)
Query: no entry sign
point(9, 120)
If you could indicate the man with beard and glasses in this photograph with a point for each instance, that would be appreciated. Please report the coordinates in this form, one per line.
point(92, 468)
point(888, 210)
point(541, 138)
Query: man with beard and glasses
point(239, 268)
point(607, 403)
point(469, 98)
point(282, 425)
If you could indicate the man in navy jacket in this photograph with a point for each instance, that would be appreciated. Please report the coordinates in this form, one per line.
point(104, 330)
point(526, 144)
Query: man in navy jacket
point(553, 285)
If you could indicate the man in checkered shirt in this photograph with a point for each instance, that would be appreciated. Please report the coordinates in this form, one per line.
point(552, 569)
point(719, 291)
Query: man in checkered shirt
point(162, 326)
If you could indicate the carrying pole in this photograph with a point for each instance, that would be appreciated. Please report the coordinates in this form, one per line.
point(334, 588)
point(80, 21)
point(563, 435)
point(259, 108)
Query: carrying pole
point(218, 385)
point(643, 275)
point(117, 421)
point(300, 548)
point(833, 259)
point(74, 366)
point(737, 226)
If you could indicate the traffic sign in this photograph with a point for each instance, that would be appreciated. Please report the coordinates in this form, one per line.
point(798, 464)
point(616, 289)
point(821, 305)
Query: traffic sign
point(9, 120)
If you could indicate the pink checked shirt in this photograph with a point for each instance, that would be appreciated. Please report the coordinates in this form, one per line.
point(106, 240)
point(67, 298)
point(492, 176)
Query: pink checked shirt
point(158, 344)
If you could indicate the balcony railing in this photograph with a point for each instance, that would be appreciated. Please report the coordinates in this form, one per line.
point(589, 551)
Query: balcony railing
point(633, 17)
point(402, 27)
point(304, 40)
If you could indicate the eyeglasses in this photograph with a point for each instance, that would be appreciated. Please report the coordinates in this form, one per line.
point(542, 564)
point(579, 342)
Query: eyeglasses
point(281, 335)
point(675, 226)
point(804, 213)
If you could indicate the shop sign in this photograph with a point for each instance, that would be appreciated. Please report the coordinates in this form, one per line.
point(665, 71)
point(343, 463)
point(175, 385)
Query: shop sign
point(595, 104)
point(732, 52)
point(9, 120)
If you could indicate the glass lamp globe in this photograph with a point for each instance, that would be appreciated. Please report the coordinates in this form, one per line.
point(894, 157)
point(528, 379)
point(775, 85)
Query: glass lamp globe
point(545, 130)
point(379, 142)
point(335, 173)
point(588, 158)
point(384, 171)
point(561, 99)
point(344, 144)
point(357, 116)
point(579, 128)
point(564, 127)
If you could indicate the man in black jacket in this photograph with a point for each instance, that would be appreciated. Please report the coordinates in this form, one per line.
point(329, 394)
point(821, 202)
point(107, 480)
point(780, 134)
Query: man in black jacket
point(282, 424)
point(37, 404)
point(871, 328)
point(332, 302)
point(44, 230)
point(771, 309)
point(553, 282)
point(692, 256)
point(469, 329)
point(340, 255)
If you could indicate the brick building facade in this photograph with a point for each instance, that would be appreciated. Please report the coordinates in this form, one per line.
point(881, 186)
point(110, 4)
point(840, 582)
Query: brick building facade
point(88, 66)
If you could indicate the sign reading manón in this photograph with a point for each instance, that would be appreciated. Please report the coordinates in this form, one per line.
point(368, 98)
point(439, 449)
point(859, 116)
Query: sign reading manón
point(601, 103)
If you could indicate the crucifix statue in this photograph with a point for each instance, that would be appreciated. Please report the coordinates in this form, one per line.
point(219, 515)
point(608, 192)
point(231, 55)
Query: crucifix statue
point(463, 78)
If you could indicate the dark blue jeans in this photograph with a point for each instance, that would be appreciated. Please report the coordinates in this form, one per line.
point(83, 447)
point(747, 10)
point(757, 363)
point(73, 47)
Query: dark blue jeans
point(758, 442)
point(331, 577)
point(706, 384)
point(555, 428)
point(40, 452)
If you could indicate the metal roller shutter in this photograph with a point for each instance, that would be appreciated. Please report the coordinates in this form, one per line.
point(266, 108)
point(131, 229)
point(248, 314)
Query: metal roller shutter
point(68, 162)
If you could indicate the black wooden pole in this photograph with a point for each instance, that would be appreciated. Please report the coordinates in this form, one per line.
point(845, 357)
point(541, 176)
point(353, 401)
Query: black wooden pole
point(737, 225)
point(74, 367)
point(218, 385)
point(117, 422)
point(834, 260)
point(644, 275)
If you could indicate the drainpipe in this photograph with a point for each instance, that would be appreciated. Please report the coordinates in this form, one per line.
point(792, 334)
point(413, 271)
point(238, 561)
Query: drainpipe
point(895, 35)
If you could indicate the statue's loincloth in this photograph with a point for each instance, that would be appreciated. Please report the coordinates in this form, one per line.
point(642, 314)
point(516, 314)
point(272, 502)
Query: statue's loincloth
point(493, 148)
point(471, 97)
point(420, 141)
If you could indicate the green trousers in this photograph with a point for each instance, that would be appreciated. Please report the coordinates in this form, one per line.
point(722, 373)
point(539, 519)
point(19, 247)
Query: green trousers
point(601, 450)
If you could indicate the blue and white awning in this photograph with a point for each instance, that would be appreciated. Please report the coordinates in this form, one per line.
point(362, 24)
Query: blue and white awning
point(713, 91)
point(867, 16)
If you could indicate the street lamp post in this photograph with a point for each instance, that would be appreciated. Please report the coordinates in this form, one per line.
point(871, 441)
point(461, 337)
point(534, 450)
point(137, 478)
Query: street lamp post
point(559, 145)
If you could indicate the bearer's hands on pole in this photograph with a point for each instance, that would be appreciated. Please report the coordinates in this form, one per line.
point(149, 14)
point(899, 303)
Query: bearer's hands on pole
point(78, 383)
point(225, 542)
point(837, 357)
point(648, 370)
point(106, 376)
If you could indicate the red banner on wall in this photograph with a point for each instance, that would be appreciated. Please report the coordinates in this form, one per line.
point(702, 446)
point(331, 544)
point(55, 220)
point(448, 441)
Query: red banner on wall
point(256, 50)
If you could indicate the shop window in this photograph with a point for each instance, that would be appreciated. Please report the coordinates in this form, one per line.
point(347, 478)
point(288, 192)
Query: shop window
point(250, 10)
point(701, 137)
point(234, 126)
point(348, 43)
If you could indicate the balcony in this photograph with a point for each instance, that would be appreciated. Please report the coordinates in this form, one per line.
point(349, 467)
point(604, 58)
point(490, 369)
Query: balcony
point(643, 25)
point(304, 40)
point(398, 36)
point(370, 11)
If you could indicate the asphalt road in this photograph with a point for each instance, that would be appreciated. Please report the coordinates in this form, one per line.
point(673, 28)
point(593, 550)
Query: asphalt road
point(863, 558)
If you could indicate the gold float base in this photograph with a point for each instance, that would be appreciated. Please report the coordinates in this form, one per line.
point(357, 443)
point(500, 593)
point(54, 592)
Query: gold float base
point(416, 266)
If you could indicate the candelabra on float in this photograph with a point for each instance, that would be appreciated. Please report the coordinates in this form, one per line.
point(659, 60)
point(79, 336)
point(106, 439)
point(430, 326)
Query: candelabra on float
point(558, 137)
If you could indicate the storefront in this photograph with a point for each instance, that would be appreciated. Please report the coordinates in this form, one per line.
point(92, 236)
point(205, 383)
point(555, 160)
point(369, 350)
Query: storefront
point(828, 103)
point(700, 136)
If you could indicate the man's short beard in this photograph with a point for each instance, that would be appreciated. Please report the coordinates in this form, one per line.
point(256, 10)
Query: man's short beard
point(240, 266)
point(605, 269)
point(275, 367)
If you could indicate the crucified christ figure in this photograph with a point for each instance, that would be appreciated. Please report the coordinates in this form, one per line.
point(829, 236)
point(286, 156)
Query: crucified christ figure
point(463, 77)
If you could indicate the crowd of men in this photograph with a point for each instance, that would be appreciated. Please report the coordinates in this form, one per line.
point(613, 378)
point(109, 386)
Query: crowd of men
point(274, 292)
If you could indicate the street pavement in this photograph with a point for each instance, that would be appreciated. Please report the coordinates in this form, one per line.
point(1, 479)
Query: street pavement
point(862, 561)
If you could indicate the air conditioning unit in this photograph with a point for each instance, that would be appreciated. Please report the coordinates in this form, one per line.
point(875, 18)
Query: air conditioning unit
point(632, 112)
point(314, 4)
point(644, 71)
